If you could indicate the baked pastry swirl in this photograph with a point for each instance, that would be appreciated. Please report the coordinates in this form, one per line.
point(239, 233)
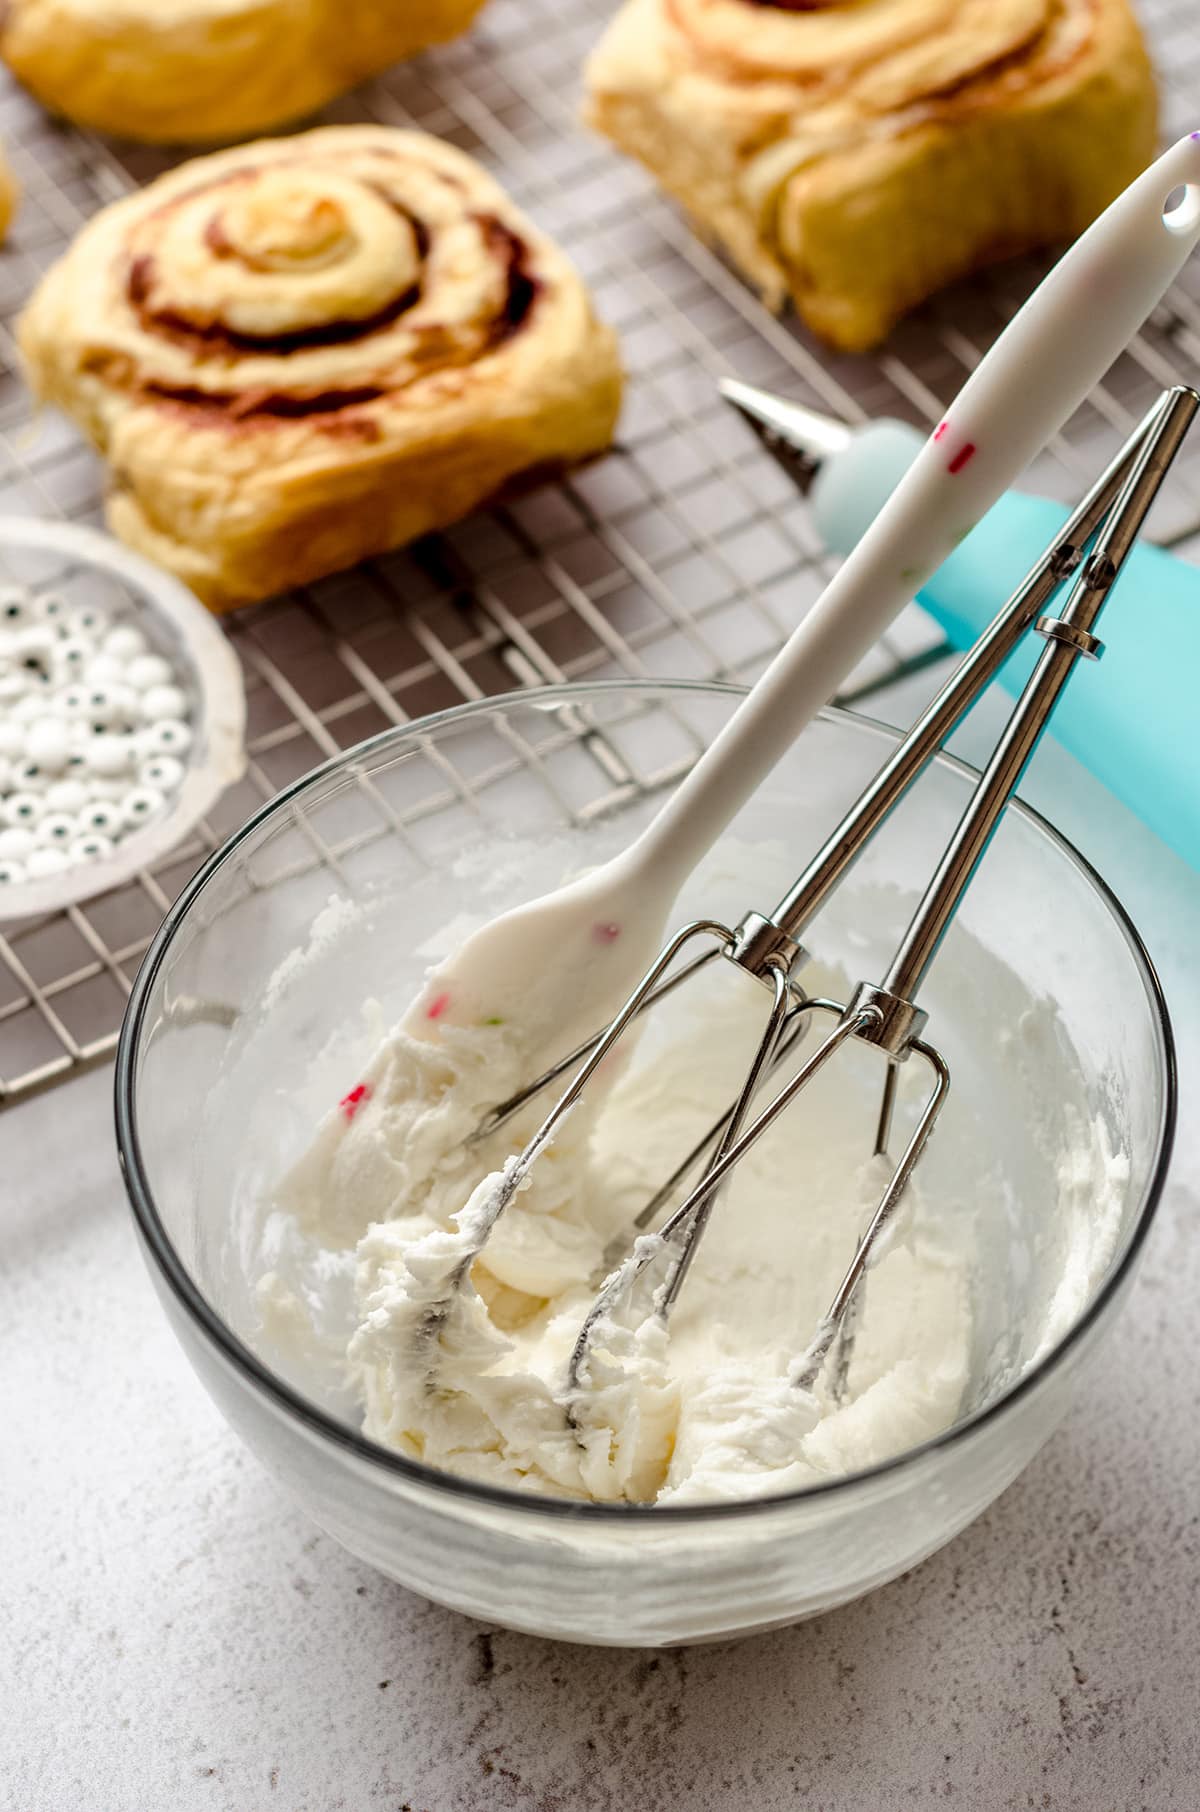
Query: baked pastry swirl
point(308, 350)
point(191, 70)
point(858, 154)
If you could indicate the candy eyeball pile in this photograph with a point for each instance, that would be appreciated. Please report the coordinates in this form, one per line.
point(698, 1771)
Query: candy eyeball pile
point(94, 733)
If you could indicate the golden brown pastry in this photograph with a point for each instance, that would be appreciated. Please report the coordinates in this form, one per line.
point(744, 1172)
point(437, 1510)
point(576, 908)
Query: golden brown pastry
point(188, 70)
point(859, 154)
point(308, 350)
point(9, 194)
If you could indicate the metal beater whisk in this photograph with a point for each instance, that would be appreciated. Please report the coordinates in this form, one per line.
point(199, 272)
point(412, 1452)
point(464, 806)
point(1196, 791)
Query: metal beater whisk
point(884, 1014)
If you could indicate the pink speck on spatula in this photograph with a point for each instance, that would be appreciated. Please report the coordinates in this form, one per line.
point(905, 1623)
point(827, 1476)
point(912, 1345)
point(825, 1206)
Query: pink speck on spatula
point(437, 1006)
point(605, 934)
point(940, 430)
point(351, 1103)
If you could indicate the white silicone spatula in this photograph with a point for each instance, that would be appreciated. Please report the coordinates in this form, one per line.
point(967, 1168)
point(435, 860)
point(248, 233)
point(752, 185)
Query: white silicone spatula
point(559, 966)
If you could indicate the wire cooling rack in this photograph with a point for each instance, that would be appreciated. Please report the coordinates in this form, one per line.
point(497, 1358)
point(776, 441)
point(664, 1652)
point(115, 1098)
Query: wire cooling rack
point(684, 553)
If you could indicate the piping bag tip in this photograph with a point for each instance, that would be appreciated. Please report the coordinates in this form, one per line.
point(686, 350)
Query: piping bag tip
point(800, 439)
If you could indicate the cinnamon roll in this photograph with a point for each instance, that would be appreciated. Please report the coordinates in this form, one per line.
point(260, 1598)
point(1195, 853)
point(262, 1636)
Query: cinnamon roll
point(859, 154)
point(187, 70)
point(308, 350)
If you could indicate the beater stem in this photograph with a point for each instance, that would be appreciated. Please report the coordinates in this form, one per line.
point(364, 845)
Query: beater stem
point(623, 1279)
point(843, 1349)
point(1069, 636)
point(887, 1107)
point(789, 1037)
point(511, 1178)
point(955, 698)
point(706, 1202)
point(848, 1026)
point(808, 1366)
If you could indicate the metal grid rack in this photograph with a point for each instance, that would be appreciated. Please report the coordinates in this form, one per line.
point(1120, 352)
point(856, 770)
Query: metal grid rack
point(684, 553)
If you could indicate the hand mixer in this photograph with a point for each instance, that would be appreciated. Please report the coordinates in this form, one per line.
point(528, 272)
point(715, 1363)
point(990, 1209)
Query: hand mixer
point(886, 1014)
point(588, 942)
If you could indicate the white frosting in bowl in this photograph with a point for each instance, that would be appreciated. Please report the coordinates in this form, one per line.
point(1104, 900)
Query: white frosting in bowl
point(363, 1230)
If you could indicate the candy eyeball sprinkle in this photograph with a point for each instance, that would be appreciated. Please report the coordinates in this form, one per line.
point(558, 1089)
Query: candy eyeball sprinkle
point(34, 638)
point(111, 790)
point(108, 755)
point(142, 803)
point(100, 817)
point(48, 743)
point(22, 809)
point(43, 861)
point(126, 701)
point(161, 771)
point(67, 796)
point(169, 737)
point(91, 848)
point(71, 655)
point(104, 670)
point(148, 670)
point(102, 707)
point(93, 725)
point(124, 643)
point(33, 651)
point(57, 829)
point(16, 843)
point(163, 702)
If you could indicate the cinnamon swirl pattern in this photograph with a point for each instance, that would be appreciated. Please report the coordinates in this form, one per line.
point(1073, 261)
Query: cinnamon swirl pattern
point(189, 70)
point(859, 154)
point(308, 350)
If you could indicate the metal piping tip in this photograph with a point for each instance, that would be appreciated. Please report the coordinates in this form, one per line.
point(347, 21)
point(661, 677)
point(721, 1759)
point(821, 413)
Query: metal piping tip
point(800, 439)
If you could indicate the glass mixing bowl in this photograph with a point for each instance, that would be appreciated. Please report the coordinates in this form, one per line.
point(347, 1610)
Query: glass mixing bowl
point(245, 1022)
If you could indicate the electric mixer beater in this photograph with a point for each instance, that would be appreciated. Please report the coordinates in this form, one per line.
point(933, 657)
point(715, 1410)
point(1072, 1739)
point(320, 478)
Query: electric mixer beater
point(1089, 556)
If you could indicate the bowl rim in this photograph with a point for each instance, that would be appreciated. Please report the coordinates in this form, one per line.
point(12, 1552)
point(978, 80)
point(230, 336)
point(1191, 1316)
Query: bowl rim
point(316, 1421)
